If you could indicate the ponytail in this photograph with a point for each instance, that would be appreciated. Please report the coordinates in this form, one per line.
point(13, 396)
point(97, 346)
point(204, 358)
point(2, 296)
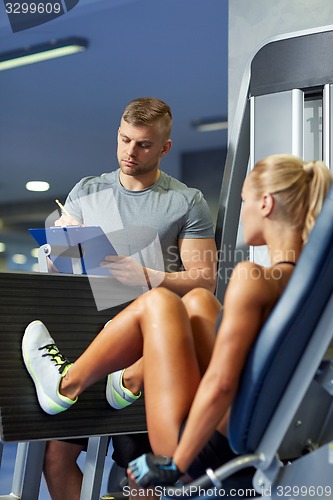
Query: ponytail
point(320, 180)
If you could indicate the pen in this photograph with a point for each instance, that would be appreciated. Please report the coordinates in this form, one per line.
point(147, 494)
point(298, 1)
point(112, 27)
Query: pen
point(62, 208)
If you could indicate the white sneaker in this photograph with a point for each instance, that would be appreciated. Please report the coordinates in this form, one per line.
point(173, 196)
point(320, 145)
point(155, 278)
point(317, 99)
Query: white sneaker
point(116, 394)
point(46, 366)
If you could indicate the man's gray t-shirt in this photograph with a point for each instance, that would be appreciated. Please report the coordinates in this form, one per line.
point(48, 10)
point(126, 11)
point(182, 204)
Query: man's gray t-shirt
point(133, 220)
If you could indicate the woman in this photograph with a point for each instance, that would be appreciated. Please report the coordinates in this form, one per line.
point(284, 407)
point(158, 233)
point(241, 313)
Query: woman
point(189, 374)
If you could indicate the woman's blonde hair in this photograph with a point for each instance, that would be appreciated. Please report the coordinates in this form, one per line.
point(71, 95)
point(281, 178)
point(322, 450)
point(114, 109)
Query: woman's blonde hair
point(299, 187)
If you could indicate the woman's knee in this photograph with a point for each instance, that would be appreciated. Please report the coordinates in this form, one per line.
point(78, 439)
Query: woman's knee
point(160, 297)
point(200, 302)
point(198, 298)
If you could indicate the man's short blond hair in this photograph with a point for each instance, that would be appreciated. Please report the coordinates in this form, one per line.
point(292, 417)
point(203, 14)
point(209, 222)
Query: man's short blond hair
point(148, 111)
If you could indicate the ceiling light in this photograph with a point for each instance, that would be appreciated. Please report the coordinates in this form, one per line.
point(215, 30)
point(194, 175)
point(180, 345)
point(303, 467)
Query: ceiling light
point(41, 52)
point(19, 258)
point(2, 247)
point(37, 186)
point(34, 252)
point(210, 124)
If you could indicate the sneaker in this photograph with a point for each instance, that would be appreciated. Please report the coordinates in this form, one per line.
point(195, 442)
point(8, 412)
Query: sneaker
point(46, 366)
point(116, 394)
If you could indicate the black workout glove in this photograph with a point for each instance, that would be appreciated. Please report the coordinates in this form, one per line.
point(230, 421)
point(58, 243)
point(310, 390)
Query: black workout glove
point(154, 470)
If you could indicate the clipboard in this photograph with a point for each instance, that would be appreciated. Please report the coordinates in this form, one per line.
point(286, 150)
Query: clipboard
point(88, 243)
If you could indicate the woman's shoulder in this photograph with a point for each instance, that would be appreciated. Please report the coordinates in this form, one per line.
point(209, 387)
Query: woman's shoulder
point(247, 270)
point(252, 282)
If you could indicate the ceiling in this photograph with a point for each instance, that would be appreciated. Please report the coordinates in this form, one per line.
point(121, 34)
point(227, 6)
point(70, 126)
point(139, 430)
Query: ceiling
point(59, 118)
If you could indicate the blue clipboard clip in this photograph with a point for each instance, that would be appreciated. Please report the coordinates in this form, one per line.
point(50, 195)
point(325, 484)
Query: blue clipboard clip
point(74, 249)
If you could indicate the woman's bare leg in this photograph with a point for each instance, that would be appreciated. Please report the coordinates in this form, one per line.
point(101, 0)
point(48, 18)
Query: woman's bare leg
point(133, 377)
point(157, 326)
point(171, 372)
point(202, 308)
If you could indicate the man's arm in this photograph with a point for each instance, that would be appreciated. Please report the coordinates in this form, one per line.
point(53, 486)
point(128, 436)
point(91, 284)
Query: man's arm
point(199, 258)
point(198, 255)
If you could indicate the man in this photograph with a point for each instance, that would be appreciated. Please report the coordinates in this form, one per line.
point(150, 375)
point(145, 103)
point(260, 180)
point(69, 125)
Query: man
point(124, 203)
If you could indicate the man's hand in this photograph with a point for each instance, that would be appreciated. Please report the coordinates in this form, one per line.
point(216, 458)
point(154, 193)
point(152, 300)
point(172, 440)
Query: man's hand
point(67, 220)
point(154, 470)
point(127, 271)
